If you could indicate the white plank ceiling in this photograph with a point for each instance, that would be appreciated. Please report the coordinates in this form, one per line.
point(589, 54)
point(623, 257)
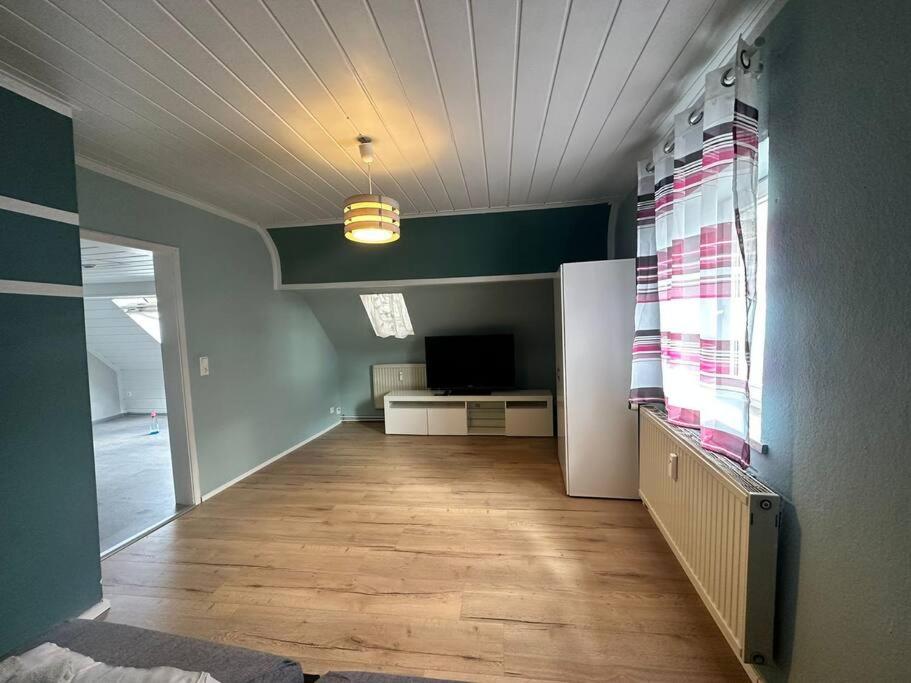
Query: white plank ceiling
point(108, 263)
point(253, 106)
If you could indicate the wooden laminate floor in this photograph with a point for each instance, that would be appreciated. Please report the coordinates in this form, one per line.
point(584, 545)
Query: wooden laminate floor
point(454, 557)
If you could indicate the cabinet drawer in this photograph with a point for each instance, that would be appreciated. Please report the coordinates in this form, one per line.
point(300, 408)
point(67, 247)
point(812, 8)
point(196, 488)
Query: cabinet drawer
point(445, 420)
point(528, 421)
point(406, 420)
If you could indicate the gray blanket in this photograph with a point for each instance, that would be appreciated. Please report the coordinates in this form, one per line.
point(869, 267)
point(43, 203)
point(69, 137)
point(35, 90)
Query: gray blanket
point(120, 645)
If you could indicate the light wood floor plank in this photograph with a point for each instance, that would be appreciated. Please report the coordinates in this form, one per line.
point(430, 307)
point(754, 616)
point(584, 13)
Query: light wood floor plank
point(448, 557)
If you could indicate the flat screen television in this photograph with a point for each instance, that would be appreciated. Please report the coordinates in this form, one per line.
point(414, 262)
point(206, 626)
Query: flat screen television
point(470, 363)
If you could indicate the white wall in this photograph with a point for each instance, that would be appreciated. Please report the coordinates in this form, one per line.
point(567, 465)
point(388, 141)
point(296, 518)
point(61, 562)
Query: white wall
point(104, 389)
point(142, 391)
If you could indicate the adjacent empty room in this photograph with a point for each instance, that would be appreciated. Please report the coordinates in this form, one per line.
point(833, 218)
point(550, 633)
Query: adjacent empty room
point(130, 436)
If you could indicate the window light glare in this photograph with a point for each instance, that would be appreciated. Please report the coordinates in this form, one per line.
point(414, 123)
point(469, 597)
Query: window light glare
point(142, 310)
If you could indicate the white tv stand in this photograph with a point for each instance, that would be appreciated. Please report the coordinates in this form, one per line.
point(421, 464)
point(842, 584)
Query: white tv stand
point(502, 413)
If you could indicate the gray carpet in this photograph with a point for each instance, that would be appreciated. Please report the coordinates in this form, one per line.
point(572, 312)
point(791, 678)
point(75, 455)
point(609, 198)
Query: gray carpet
point(133, 474)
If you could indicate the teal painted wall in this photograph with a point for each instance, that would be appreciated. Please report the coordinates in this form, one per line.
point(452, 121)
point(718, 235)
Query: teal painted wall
point(836, 397)
point(524, 309)
point(40, 168)
point(625, 228)
point(274, 370)
point(503, 243)
point(23, 236)
point(48, 518)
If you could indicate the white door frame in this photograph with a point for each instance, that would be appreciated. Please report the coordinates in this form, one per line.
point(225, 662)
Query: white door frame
point(175, 361)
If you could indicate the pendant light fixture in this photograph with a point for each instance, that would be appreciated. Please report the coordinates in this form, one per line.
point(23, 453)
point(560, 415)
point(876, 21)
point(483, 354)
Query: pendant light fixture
point(371, 218)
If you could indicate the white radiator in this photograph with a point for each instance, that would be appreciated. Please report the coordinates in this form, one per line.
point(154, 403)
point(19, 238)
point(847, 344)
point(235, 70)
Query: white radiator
point(389, 377)
point(722, 525)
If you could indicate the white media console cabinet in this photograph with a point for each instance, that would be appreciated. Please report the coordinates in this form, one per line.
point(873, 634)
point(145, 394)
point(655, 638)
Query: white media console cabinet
point(502, 413)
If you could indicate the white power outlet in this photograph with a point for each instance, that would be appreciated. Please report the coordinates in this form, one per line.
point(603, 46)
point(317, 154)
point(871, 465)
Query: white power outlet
point(203, 366)
point(332, 410)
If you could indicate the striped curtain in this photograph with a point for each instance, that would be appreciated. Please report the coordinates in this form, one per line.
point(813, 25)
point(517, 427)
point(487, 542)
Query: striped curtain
point(696, 265)
point(647, 385)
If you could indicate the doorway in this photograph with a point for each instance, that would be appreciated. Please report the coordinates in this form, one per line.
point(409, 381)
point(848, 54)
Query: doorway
point(145, 464)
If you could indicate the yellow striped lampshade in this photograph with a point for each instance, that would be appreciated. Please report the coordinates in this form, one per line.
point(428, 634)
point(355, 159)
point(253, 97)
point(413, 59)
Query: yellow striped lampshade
point(371, 219)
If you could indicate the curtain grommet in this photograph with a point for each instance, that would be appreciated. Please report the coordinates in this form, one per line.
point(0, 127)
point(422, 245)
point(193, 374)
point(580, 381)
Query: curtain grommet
point(695, 116)
point(668, 147)
point(745, 59)
point(728, 78)
point(650, 166)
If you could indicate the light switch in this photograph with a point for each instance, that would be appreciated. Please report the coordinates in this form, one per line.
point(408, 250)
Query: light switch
point(203, 366)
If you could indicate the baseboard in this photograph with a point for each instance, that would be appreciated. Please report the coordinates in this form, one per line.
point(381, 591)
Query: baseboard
point(753, 673)
point(117, 416)
point(362, 418)
point(97, 611)
point(216, 491)
point(127, 413)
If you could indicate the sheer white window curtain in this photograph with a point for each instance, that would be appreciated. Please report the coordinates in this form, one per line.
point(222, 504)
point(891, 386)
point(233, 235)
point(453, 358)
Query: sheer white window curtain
point(388, 315)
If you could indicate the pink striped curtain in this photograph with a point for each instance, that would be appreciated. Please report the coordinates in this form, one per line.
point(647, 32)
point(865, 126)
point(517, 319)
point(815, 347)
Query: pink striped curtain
point(701, 237)
point(647, 385)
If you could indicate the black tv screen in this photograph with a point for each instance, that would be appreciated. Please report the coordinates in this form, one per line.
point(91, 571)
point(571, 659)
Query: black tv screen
point(480, 362)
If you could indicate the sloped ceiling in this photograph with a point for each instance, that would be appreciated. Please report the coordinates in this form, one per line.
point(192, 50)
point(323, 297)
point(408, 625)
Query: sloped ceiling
point(119, 342)
point(110, 334)
point(253, 106)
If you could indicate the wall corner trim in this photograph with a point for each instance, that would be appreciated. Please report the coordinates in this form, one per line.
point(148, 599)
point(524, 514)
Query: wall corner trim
point(214, 492)
point(35, 94)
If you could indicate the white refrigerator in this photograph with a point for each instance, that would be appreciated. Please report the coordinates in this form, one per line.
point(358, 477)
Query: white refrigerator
point(594, 304)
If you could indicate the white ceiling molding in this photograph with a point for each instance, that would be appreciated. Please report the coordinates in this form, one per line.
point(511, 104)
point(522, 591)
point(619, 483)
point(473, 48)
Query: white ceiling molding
point(468, 212)
point(35, 94)
point(156, 188)
point(252, 108)
point(380, 284)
